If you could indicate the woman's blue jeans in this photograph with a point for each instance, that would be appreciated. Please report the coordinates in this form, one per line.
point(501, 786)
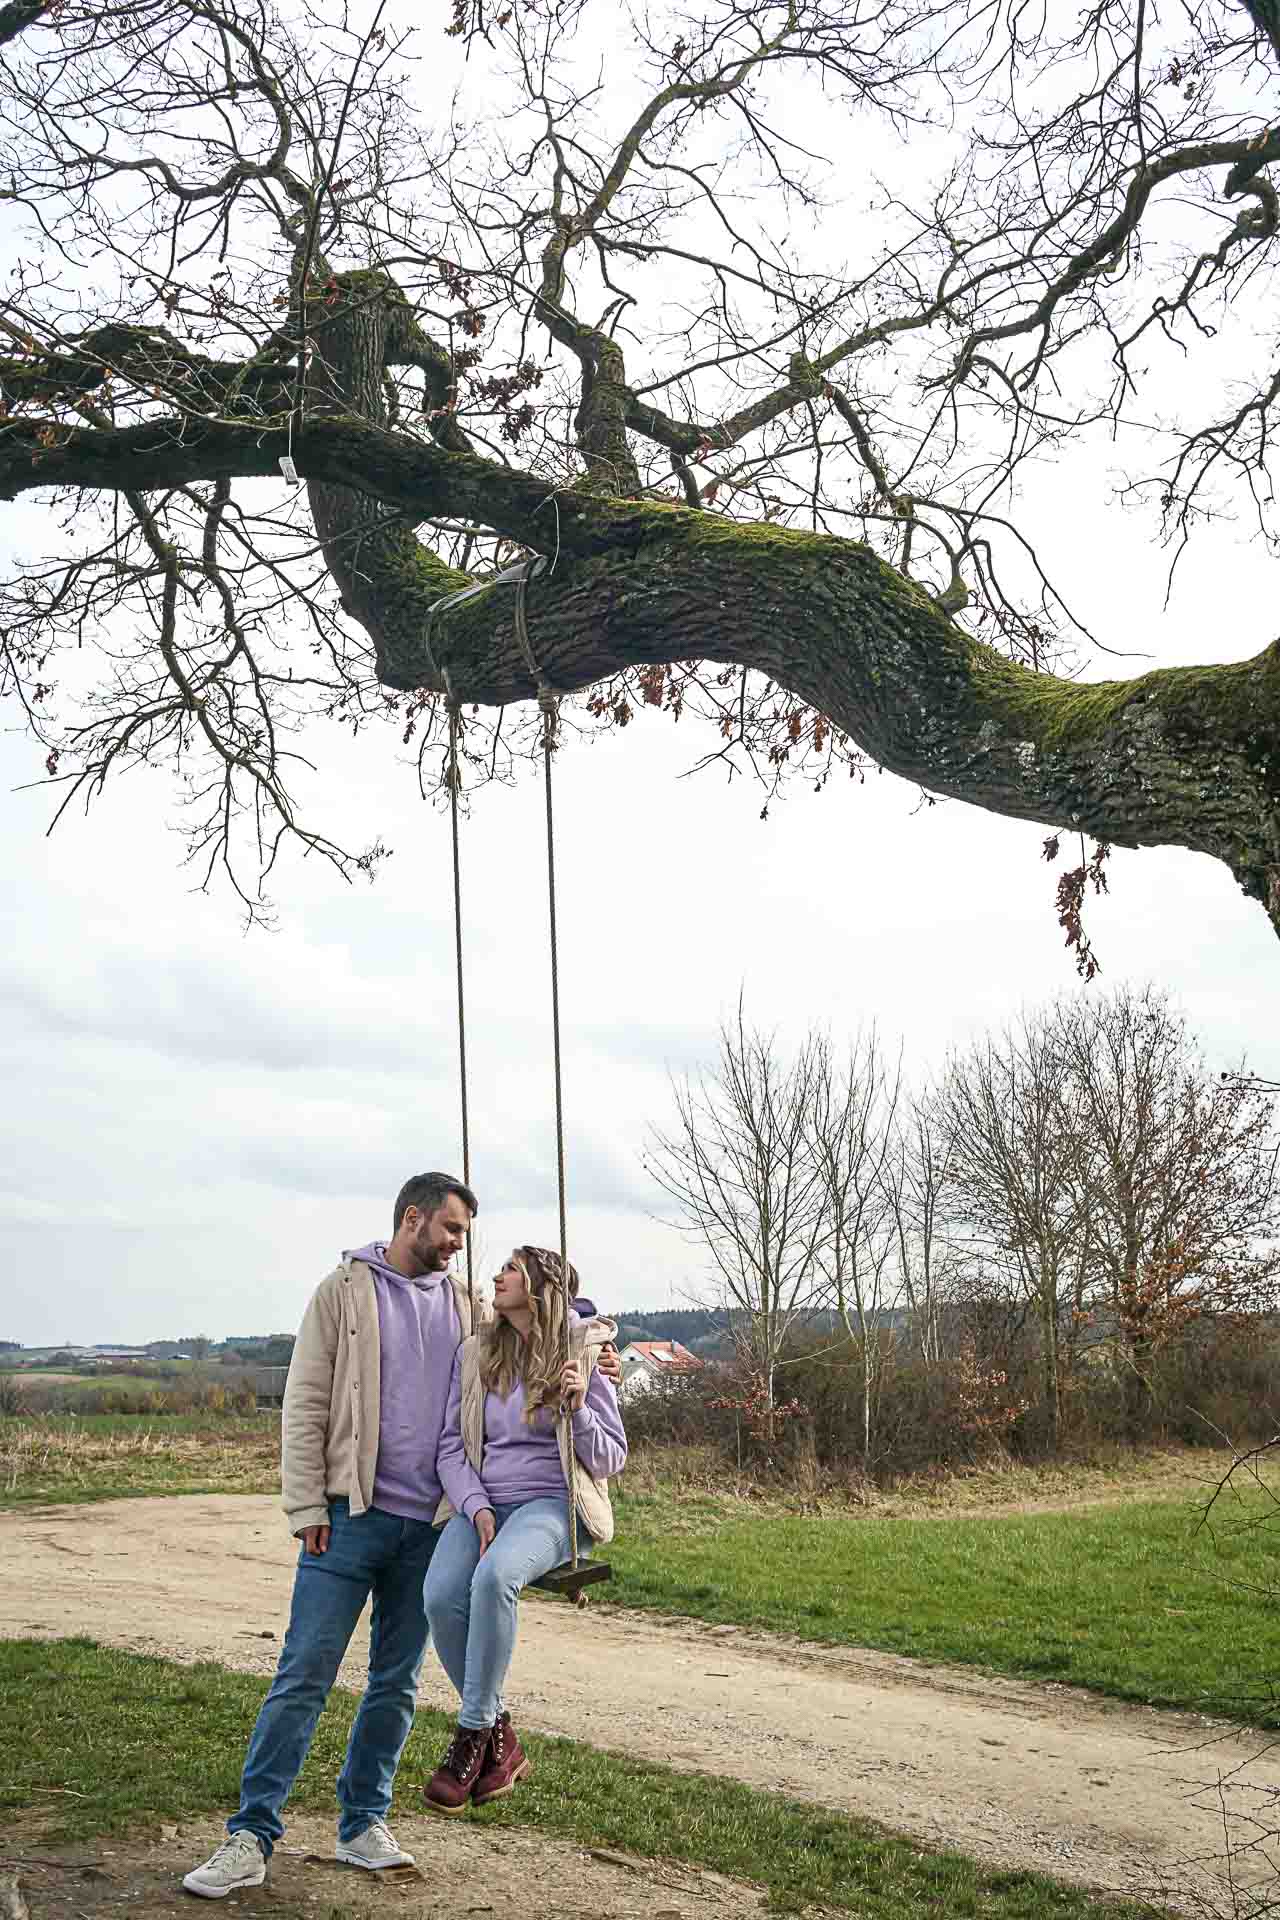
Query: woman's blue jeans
point(472, 1601)
point(375, 1553)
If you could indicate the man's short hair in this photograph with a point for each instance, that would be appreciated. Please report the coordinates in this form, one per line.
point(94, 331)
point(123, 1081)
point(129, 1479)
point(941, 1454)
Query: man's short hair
point(428, 1193)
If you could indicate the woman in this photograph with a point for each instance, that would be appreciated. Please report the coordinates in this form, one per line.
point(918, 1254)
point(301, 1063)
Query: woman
point(504, 1466)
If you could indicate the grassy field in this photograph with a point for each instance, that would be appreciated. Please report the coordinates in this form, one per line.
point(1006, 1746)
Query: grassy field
point(1128, 1600)
point(123, 1376)
point(124, 1738)
point(91, 1383)
point(108, 1456)
point(1125, 1598)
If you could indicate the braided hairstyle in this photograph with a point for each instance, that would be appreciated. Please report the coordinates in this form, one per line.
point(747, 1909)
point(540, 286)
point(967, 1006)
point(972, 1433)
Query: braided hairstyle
point(506, 1359)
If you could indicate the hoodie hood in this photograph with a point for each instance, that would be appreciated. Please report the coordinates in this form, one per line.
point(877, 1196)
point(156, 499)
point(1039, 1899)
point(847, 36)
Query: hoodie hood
point(584, 1308)
point(375, 1257)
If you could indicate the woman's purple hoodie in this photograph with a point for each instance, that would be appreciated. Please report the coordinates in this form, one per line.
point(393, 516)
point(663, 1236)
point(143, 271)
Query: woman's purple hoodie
point(522, 1459)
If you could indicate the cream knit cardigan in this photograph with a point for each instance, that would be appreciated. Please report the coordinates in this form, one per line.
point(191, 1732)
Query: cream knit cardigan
point(329, 1440)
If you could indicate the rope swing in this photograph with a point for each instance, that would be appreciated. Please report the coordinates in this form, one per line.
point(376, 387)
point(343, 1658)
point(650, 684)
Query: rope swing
point(454, 778)
point(576, 1574)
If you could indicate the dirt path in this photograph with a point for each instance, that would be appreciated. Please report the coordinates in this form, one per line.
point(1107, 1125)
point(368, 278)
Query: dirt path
point(462, 1871)
point(1044, 1777)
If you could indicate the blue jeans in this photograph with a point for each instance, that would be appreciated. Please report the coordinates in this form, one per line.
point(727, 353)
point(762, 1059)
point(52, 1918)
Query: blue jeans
point(471, 1602)
point(376, 1553)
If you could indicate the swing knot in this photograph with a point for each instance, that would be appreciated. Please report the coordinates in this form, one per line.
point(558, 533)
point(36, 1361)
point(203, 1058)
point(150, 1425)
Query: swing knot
point(549, 707)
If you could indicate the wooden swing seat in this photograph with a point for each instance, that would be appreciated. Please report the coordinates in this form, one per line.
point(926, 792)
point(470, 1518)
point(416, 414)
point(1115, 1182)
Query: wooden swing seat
point(569, 1580)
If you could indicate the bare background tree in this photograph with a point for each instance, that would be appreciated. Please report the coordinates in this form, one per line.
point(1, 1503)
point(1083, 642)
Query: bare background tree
point(1074, 1237)
point(927, 1256)
point(765, 421)
point(739, 1170)
point(854, 1143)
point(1178, 1179)
point(1011, 1116)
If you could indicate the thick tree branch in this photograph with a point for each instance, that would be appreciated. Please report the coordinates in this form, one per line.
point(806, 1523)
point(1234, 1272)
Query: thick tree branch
point(17, 15)
point(1265, 15)
point(1178, 757)
point(192, 142)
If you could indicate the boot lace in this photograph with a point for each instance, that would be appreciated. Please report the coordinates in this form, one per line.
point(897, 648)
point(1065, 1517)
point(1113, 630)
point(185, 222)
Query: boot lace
point(465, 1748)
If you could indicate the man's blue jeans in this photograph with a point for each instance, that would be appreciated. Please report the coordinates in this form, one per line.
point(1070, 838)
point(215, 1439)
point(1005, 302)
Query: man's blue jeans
point(471, 1602)
point(375, 1553)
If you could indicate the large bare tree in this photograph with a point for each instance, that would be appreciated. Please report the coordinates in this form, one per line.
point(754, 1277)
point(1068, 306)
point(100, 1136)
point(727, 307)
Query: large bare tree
point(919, 1186)
point(1012, 1116)
point(1179, 1177)
point(745, 1189)
point(768, 451)
point(856, 1147)
point(1103, 1172)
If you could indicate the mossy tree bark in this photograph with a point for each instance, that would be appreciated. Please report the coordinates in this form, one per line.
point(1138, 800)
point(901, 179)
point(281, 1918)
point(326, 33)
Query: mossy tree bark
point(1185, 756)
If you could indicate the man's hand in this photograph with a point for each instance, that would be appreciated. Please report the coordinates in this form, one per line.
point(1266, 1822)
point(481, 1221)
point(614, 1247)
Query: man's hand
point(609, 1363)
point(486, 1525)
point(315, 1539)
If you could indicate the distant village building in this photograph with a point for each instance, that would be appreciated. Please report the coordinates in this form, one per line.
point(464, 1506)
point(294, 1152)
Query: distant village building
point(645, 1362)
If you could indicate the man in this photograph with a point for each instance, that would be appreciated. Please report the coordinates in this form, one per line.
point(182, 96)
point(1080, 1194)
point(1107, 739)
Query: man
point(363, 1410)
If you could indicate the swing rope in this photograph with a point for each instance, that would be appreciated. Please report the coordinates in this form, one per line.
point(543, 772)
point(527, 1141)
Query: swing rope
point(455, 787)
point(455, 782)
point(549, 706)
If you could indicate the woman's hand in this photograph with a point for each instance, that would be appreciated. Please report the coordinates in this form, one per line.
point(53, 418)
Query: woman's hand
point(573, 1390)
point(486, 1525)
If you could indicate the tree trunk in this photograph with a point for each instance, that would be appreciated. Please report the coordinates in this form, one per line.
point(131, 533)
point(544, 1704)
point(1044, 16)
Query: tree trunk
point(1049, 1357)
point(867, 1371)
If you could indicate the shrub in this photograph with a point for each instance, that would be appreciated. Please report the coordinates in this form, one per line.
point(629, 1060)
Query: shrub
point(978, 1403)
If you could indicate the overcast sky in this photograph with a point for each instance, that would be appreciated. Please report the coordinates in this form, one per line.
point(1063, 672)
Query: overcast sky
point(199, 1121)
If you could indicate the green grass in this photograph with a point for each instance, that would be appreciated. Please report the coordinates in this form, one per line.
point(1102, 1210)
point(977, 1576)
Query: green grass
point(123, 1737)
point(89, 1382)
point(97, 1456)
point(1127, 1600)
point(1124, 1599)
point(254, 1429)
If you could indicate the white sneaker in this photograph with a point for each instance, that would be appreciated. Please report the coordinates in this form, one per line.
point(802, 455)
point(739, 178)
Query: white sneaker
point(373, 1848)
point(238, 1862)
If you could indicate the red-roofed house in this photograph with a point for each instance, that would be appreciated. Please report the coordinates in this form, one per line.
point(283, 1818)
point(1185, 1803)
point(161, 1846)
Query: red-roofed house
point(645, 1362)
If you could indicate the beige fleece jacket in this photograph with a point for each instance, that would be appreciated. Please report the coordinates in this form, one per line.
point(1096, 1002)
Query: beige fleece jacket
point(329, 1436)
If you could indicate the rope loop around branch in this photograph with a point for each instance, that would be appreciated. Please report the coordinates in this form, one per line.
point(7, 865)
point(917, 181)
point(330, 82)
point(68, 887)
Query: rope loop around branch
point(520, 574)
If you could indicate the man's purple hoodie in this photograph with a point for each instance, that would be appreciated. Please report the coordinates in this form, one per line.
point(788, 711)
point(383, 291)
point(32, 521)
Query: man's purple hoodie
point(418, 1334)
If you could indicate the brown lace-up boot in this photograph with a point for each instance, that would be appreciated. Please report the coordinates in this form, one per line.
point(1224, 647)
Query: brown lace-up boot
point(450, 1786)
point(505, 1763)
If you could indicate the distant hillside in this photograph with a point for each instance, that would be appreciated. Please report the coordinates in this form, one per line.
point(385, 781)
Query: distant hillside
point(701, 1329)
point(707, 1329)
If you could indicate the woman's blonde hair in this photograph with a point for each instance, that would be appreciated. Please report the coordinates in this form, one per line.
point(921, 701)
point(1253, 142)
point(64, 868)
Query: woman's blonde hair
point(506, 1359)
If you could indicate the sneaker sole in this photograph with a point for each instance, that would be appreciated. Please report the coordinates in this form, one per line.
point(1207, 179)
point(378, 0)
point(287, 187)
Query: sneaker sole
point(192, 1885)
point(521, 1773)
point(372, 1866)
